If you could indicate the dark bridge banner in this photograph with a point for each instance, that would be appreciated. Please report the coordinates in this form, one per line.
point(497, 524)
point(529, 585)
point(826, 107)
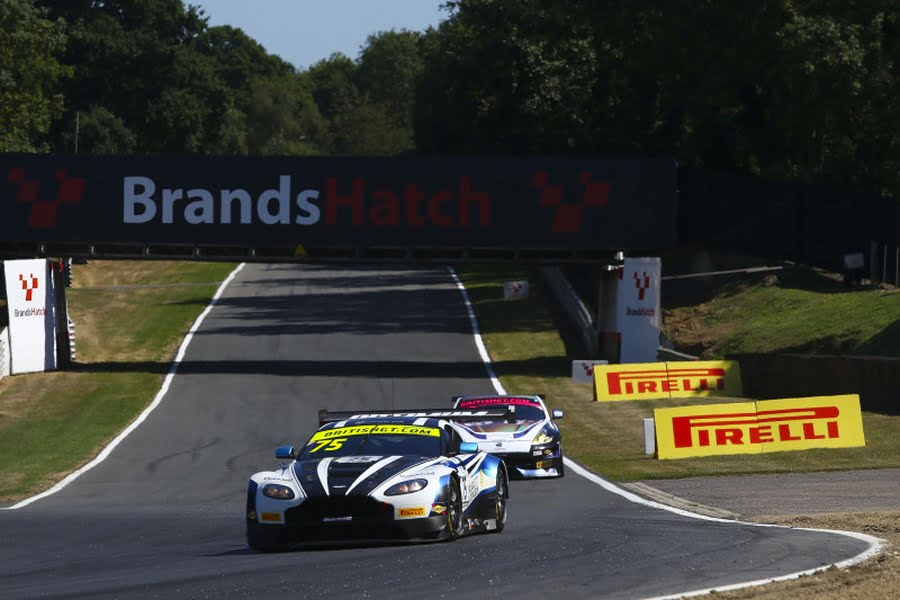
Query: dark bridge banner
point(566, 204)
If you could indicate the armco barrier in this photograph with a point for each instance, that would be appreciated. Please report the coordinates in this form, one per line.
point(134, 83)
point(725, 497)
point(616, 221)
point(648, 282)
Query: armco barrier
point(579, 314)
point(875, 379)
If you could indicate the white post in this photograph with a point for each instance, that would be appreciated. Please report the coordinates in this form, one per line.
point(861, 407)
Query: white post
point(649, 436)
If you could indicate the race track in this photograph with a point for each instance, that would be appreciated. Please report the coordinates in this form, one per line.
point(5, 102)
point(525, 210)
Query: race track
point(162, 517)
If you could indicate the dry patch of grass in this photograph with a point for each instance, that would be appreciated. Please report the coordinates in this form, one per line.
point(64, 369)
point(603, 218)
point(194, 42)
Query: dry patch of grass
point(52, 423)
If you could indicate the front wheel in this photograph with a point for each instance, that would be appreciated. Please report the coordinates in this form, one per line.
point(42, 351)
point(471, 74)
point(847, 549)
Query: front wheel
point(454, 510)
point(500, 496)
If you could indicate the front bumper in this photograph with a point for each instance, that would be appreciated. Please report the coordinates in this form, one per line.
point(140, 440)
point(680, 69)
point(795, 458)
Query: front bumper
point(526, 464)
point(346, 519)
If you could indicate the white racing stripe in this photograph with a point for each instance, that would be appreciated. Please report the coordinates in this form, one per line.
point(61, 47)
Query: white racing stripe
point(143, 416)
point(876, 545)
point(322, 472)
point(381, 463)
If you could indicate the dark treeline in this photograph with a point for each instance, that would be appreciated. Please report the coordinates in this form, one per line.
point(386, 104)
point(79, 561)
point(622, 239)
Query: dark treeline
point(805, 90)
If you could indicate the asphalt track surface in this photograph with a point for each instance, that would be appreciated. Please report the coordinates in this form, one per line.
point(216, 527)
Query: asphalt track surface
point(162, 517)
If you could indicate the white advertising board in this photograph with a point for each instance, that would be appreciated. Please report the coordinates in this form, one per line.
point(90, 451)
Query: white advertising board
point(515, 290)
point(637, 309)
point(583, 370)
point(32, 320)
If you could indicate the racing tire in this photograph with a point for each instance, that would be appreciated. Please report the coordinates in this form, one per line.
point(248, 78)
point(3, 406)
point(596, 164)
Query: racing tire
point(561, 466)
point(454, 510)
point(500, 496)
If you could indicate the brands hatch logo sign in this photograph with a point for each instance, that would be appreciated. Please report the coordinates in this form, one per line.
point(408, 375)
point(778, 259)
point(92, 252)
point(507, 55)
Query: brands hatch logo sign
point(43, 214)
point(459, 203)
point(642, 283)
point(29, 284)
point(567, 218)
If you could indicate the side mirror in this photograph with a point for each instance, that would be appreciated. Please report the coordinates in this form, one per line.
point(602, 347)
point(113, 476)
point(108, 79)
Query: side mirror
point(284, 452)
point(557, 414)
point(468, 448)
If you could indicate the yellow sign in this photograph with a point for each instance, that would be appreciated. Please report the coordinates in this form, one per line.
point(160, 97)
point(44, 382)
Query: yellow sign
point(655, 381)
point(411, 512)
point(758, 427)
point(327, 434)
point(271, 517)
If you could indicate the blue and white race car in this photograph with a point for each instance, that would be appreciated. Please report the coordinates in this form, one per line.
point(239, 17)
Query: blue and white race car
point(525, 436)
point(378, 476)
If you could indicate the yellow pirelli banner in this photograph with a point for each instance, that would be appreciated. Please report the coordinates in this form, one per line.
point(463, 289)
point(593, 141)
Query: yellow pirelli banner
point(653, 381)
point(757, 427)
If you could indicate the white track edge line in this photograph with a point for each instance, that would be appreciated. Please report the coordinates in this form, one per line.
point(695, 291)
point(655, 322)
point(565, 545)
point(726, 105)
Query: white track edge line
point(150, 408)
point(876, 545)
point(479, 342)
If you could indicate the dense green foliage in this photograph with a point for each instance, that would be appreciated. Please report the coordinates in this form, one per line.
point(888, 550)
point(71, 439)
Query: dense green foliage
point(791, 89)
point(29, 75)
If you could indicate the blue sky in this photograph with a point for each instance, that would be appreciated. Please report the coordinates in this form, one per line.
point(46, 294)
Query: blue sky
point(304, 32)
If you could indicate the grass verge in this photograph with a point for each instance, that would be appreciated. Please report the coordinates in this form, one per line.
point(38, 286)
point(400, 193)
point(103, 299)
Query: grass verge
point(532, 347)
point(130, 318)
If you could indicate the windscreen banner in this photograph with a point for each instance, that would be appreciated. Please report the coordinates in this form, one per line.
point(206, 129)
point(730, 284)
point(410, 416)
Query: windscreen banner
point(31, 302)
point(662, 380)
point(571, 203)
point(759, 427)
point(637, 309)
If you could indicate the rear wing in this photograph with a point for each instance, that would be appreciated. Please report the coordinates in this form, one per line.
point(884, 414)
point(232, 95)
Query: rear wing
point(326, 416)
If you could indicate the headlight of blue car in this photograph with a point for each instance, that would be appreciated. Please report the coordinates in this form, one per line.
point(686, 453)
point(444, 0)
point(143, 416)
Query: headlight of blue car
point(406, 487)
point(542, 438)
point(279, 492)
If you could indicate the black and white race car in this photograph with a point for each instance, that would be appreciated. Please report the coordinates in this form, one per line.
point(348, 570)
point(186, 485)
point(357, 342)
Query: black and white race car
point(525, 436)
point(393, 475)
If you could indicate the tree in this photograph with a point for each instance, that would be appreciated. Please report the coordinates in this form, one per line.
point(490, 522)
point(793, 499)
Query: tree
point(30, 73)
point(388, 74)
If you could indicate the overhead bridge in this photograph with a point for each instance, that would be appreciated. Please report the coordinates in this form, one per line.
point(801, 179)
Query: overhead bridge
point(350, 209)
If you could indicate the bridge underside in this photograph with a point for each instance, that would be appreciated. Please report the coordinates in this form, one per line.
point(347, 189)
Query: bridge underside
point(372, 254)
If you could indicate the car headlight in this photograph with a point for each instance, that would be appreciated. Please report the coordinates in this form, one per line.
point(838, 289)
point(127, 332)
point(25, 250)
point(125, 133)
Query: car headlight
point(541, 439)
point(406, 487)
point(279, 492)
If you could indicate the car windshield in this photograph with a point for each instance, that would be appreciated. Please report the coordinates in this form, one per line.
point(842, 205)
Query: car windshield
point(373, 440)
point(524, 412)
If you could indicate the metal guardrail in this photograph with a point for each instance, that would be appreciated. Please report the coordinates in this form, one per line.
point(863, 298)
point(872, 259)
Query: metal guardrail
point(578, 313)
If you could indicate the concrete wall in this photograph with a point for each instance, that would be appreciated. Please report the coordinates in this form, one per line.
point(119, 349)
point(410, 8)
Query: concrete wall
point(875, 379)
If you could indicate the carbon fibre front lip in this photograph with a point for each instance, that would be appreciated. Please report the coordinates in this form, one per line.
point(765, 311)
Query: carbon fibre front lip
point(426, 528)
